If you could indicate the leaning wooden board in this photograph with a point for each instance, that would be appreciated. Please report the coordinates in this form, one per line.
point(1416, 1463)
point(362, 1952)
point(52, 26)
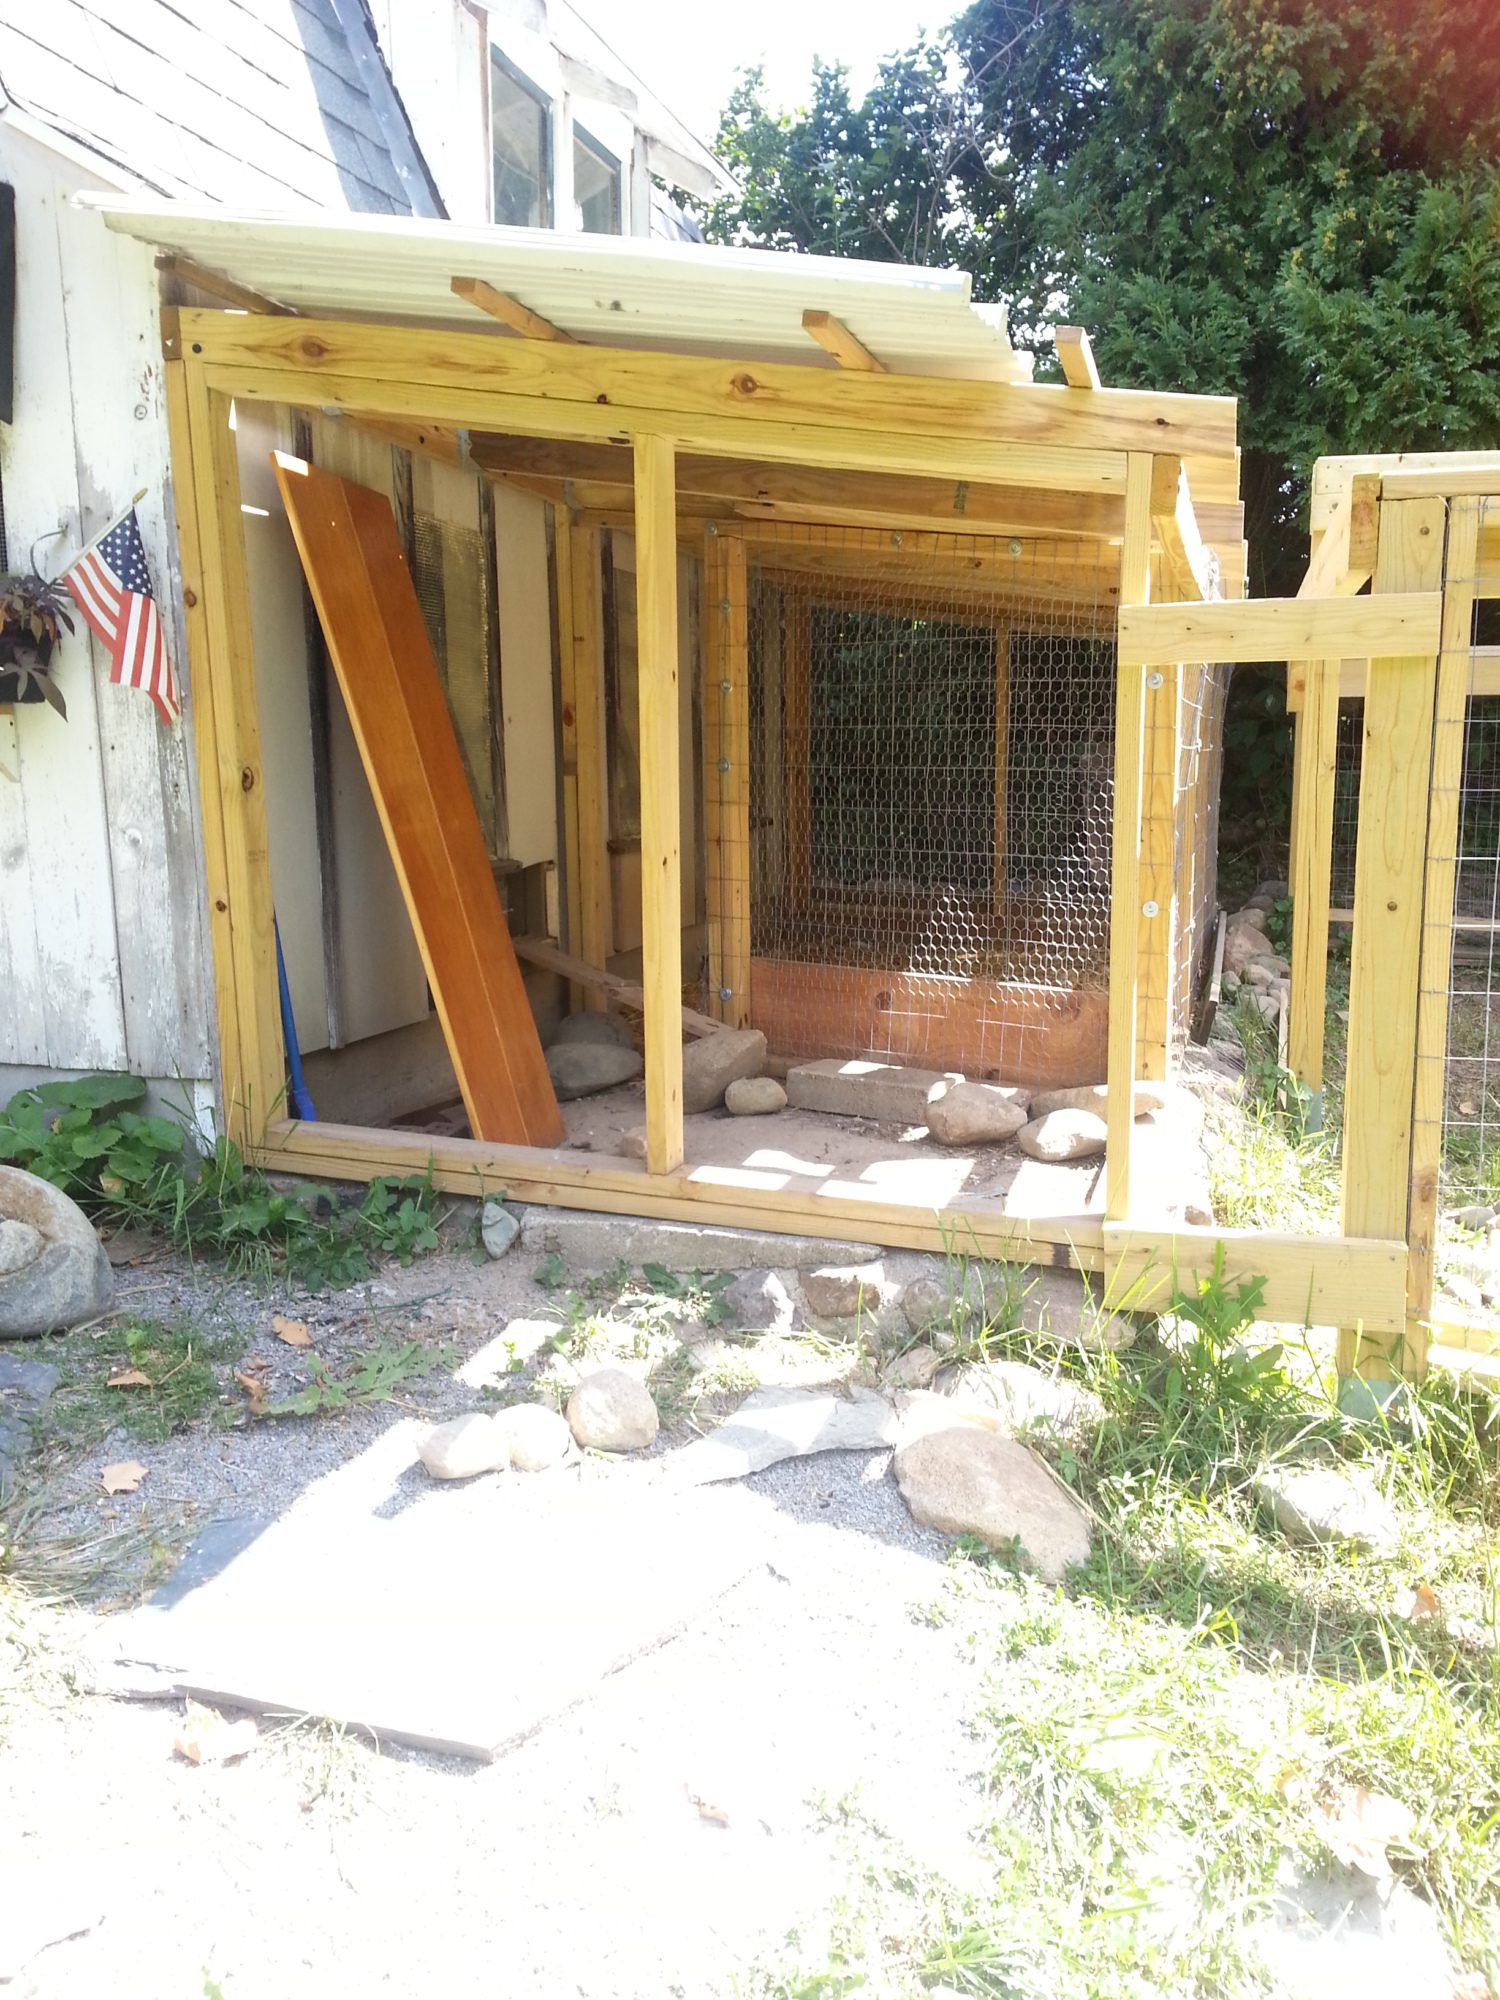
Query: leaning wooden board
point(346, 537)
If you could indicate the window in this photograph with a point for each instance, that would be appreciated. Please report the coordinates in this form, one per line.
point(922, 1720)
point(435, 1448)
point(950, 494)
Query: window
point(520, 149)
point(596, 187)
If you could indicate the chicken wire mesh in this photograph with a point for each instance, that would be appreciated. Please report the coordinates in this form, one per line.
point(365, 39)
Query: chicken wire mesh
point(929, 762)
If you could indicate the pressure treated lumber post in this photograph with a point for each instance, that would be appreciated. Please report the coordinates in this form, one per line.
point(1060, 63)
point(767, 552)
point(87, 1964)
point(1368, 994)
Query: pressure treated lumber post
point(1125, 864)
point(251, 1050)
point(797, 748)
point(1158, 916)
point(726, 774)
point(562, 590)
point(1002, 758)
point(1390, 867)
point(1313, 759)
point(595, 939)
point(1460, 567)
point(661, 878)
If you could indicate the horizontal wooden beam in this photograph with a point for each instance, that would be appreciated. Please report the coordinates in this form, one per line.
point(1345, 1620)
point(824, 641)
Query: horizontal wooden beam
point(216, 286)
point(1071, 345)
point(1310, 1280)
point(1273, 629)
point(847, 349)
point(769, 396)
point(549, 957)
point(1484, 675)
point(1331, 476)
point(1467, 478)
point(507, 310)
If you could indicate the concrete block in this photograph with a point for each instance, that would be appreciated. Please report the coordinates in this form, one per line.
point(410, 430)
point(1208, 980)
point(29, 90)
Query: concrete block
point(866, 1088)
point(587, 1241)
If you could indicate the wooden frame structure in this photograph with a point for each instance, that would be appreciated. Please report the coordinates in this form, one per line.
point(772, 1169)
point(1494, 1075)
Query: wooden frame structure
point(670, 443)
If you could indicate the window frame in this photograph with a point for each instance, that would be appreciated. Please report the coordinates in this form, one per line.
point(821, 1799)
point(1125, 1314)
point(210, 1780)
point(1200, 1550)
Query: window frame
point(584, 140)
point(547, 108)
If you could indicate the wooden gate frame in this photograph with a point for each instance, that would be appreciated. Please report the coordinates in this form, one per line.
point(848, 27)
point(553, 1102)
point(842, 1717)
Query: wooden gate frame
point(1097, 445)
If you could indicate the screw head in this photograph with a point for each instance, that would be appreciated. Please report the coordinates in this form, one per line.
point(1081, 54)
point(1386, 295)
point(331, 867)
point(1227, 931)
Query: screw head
point(1153, 680)
point(723, 767)
point(1150, 910)
point(726, 992)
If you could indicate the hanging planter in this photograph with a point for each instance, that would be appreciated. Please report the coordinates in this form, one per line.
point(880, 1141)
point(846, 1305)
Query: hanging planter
point(32, 619)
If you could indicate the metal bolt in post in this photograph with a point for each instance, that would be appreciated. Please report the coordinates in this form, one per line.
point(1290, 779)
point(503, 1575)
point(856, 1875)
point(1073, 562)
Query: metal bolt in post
point(723, 767)
point(726, 992)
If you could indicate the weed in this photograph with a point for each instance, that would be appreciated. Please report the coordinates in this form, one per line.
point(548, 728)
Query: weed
point(552, 1273)
point(375, 1378)
point(145, 1377)
point(326, 1761)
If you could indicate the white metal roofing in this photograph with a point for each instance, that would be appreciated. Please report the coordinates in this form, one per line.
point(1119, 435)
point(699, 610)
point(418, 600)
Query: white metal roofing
point(612, 290)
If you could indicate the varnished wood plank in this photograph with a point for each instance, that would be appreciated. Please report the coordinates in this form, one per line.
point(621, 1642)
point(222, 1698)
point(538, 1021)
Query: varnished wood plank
point(346, 536)
point(661, 871)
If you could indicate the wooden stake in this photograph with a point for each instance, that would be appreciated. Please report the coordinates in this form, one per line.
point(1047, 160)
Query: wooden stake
point(1077, 357)
point(510, 312)
point(847, 349)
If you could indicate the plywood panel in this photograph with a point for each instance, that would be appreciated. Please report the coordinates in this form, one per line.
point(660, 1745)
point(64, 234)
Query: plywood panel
point(350, 549)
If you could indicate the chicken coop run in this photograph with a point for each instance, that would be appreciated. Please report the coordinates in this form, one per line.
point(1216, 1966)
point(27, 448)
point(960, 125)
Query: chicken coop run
point(657, 651)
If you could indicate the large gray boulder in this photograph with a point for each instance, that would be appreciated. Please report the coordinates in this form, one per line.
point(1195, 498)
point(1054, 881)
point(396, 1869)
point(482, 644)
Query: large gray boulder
point(976, 1114)
point(58, 1275)
point(970, 1481)
point(611, 1411)
point(1064, 1135)
point(578, 1069)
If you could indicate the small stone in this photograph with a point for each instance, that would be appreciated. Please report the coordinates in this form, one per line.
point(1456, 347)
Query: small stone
point(970, 1481)
point(464, 1447)
point(1274, 892)
point(1023, 1397)
point(1064, 1135)
point(1478, 1215)
point(69, 1281)
point(713, 1062)
point(1327, 1503)
point(1464, 1291)
point(611, 1411)
point(840, 1291)
point(758, 1302)
point(20, 1245)
point(633, 1145)
point(1242, 942)
point(1094, 1097)
point(602, 1029)
point(1254, 914)
point(1266, 971)
point(578, 1069)
point(754, 1097)
point(31, 1381)
point(535, 1436)
point(914, 1368)
point(976, 1114)
point(498, 1228)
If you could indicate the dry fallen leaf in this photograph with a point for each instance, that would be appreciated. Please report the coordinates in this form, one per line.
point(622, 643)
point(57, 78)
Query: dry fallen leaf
point(293, 1331)
point(1418, 1604)
point(206, 1738)
point(1359, 1825)
point(128, 1378)
point(253, 1382)
point(707, 1809)
point(124, 1477)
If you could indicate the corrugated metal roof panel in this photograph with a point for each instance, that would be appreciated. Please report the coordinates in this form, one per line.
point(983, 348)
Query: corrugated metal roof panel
point(618, 291)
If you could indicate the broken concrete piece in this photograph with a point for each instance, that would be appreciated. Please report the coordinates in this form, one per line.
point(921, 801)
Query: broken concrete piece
point(1064, 1135)
point(611, 1411)
point(498, 1228)
point(1329, 1503)
point(536, 1437)
point(591, 1242)
point(774, 1424)
point(839, 1291)
point(1095, 1097)
point(464, 1447)
point(713, 1062)
point(969, 1481)
point(578, 1069)
point(976, 1114)
point(866, 1088)
point(68, 1280)
point(754, 1097)
point(1023, 1398)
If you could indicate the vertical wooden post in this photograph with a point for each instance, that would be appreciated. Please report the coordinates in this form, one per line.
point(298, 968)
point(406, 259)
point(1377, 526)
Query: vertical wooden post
point(1002, 754)
point(1389, 878)
point(726, 774)
point(661, 874)
point(1158, 916)
point(251, 1052)
point(586, 632)
point(567, 703)
point(1450, 708)
point(797, 751)
point(1313, 758)
point(1125, 861)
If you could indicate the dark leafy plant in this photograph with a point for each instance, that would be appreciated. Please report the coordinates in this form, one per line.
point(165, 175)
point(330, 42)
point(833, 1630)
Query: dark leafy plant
point(33, 615)
point(82, 1135)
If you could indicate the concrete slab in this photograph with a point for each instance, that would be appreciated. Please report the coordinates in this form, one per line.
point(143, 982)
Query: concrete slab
point(454, 1618)
point(590, 1242)
point(779, 1423)
point(866, 1088)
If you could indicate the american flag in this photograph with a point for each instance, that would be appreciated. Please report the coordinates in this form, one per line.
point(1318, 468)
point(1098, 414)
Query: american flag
point(112, 588)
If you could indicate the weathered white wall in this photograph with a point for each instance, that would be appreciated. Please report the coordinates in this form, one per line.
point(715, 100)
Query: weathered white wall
point(102, 929)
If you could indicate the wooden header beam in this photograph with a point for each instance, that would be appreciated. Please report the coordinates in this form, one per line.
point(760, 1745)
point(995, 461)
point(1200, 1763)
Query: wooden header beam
point(1273, 629)
point(847, 349)
point(509, 311)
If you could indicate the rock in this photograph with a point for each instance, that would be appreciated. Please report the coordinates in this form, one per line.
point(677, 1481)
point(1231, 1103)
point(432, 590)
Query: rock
point(970, 1481)
point(1242, 943)
point(1064, 1135)
point(914, 1368)
point(866, 1088)
point(1266, 971)
point(754, 1097)
point(535, 1436)
point(588, 1241)
point(1254, 913)
point(633, 1145)
point(1059, 1306)
point(464, 1447)
point(1274, 892)
point(31, 1382)
point(498, 1228)
point(1329, 1503)
point(1095, 1097)
point(773, 1424)
point(840, 1291)
point(713, 1062)
point(1464, 1291)
point(1023, 1397)
point(976, 1114)
point(612, 1411)
point(758, 1302)
point(20, 1245)
point(602, 1029)
point(69, 1280)
point(1478, 1215)
point(578, 1069)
